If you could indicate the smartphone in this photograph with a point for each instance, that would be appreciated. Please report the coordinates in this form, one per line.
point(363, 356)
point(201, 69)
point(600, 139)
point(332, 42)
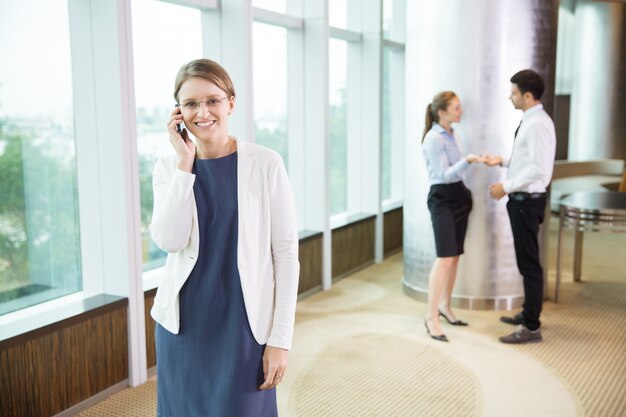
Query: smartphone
point(179, 126)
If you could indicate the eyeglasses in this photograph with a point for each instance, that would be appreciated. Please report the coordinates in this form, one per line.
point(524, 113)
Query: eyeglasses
point(192, 106)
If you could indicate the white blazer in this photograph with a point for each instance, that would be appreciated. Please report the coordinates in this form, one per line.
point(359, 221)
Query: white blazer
point(267, 246)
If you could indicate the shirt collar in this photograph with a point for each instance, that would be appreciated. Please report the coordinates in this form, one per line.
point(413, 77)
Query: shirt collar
point(439, 129)
point(532, 110)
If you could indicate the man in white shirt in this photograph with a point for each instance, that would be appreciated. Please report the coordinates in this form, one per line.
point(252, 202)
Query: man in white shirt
point(529, 173)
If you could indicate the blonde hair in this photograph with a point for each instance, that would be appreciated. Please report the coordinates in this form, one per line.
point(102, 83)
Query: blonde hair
point(207, 70)
point(440, 102)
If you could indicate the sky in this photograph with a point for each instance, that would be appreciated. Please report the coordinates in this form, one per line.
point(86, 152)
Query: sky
point(35, 72)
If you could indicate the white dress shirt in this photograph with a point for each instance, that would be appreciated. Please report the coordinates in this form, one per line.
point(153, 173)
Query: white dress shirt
point(532, 160)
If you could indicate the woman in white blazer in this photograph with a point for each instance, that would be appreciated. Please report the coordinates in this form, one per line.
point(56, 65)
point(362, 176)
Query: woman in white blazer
point(225, 304)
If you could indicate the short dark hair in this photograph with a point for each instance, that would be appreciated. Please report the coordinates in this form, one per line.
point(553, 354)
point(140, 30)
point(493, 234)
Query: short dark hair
point(529, 81)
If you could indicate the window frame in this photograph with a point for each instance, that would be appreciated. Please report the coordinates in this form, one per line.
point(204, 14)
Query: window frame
point(395, 40)
point(396, 67)
point(108, 178)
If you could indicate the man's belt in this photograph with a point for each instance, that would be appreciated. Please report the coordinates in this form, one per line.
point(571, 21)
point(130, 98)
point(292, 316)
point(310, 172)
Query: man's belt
point(521, 196)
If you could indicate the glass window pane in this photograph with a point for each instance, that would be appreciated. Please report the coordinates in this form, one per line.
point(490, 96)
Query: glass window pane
point(39, 226)
point(387, 17)
point(386, 130)
point(279, 6)
point(392, 125)
point(270, 87)
point(338, 13)
point(338, 51)
point(158, 27)
point(393, 12)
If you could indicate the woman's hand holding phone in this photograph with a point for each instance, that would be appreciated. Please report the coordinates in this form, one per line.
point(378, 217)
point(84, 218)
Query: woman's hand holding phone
point(179, 138)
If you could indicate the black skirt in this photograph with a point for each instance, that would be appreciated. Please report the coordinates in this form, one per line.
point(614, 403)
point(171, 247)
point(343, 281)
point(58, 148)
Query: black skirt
point(449, 206)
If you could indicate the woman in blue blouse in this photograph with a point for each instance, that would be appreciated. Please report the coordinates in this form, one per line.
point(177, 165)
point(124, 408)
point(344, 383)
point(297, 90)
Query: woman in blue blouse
point(449, 203)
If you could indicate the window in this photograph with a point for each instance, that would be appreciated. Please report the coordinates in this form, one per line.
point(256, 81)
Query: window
point(392, 120)
point(338, 14)
point(277, 74)
point(39, 225)
point(386, 130)
point(393, 20)
point(338, 51)
point(165, 36)
point(387, 17)
point(392, 124)
point(270, 87)
point(279, 6)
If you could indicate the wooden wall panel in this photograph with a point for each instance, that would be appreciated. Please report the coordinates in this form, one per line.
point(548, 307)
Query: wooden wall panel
point(353, 246)
point(310, 263)
point(150, 328)
point(393, 231)
point(51, 372)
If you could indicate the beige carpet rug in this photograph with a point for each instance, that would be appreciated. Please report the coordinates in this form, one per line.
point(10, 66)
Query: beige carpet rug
point(360, 349)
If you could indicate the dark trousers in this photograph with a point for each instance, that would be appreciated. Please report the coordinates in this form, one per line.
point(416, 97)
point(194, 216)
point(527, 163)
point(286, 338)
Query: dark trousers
point(526, 216)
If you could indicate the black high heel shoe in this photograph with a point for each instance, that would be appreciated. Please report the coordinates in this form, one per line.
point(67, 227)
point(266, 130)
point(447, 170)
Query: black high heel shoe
point(456, 322)
point(440, 337)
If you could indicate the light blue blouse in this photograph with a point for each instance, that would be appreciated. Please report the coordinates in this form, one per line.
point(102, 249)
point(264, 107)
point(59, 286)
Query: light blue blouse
point(444, 161)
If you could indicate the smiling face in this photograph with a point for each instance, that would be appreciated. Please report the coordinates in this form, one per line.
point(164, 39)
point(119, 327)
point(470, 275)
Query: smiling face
point(205, 108)
point(452, 113)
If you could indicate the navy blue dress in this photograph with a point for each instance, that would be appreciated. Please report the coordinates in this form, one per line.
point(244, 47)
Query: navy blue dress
point(213, 367)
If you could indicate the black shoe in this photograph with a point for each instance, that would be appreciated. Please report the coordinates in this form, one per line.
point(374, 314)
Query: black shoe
point(456, 322)
point(515, 320)
point(440, 337)
point(522, 335)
